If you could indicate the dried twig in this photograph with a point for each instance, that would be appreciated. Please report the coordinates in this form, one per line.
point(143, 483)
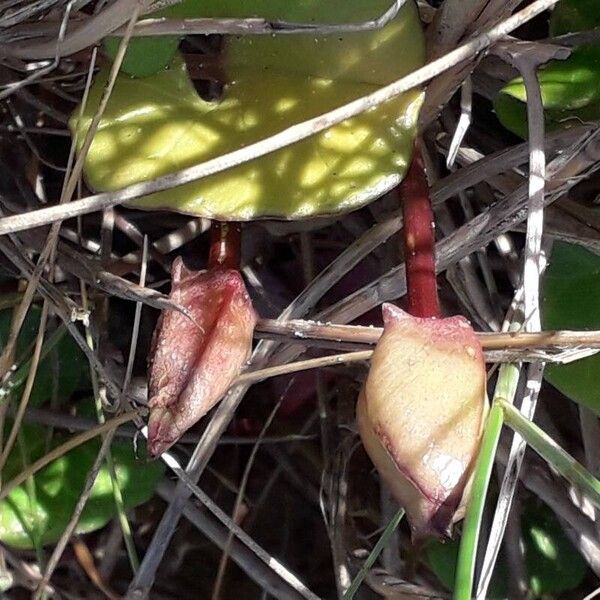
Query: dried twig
point(298, 329)
point(255, 568)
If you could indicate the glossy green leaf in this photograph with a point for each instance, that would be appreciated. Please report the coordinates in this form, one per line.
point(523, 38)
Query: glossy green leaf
point(63, 369)
point(570, 93)
point(28, 520)
point(158, 125)
point(570, 88)
point(376, 57)
point(571, 300)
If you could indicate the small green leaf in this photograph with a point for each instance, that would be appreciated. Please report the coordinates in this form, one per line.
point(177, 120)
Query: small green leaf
point(27, 520)
point(64, 367)
point(145, 56)
point(554, 565)
point(570, 93)
point(570, 88)
point(571, 297)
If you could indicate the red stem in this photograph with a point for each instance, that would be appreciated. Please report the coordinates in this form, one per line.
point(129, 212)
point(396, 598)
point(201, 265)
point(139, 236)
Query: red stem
point(225, 240)
point(419, 242)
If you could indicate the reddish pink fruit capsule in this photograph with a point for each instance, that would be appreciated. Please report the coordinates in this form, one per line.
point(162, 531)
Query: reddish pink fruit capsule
point(196, 358)
point(421, 413)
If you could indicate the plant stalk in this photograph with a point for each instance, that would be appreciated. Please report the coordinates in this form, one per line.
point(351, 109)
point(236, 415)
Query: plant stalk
point(419, 242)
point(225, 245)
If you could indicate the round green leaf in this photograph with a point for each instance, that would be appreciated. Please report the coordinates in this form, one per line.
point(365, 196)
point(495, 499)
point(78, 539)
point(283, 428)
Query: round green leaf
point(571, 297)
point(159, 125)
point(37, 514)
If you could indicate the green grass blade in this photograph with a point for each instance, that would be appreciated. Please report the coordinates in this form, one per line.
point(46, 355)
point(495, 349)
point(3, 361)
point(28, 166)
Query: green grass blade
point(370, 561)
point(552, 453)
point(465, 570)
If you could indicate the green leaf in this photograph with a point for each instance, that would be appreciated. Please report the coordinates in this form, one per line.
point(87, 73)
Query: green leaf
point(158, 125)
point(145, 56)
point(442, 559)
point(376, 57)
point(571, 16)
point(571, 297)
point(570, 88)
point(570, 93)
point(28, 520)
point(554, 565)
point(64, 367)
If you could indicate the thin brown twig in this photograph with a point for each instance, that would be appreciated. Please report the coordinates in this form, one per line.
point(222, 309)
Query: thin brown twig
point(86, 560)
point(304, 365)
point(247, 560)
point(300, 330)
point(301, 589)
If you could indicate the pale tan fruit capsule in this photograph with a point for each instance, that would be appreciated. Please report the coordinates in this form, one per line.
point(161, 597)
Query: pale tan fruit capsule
point(421, 413)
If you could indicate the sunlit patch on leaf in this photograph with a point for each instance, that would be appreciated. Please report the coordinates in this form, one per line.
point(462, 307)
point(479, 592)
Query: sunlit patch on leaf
point(274, 82)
